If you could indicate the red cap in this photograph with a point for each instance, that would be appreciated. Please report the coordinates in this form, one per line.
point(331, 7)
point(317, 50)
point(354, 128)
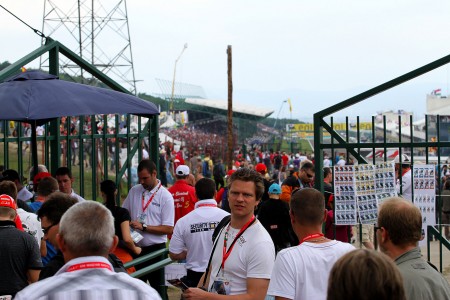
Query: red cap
point(230, 172)
point(7, 201)
point(40, 176)
point(261, 168)
point(237, 164)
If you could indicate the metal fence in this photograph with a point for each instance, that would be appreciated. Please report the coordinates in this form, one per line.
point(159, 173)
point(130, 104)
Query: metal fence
point(427, 144)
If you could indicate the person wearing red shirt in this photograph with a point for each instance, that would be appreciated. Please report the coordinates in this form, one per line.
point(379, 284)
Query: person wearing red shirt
point(183, 194)
point(285, 159)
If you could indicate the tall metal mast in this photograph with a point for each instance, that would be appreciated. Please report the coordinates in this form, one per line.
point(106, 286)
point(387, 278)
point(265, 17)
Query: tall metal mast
point(98, 31)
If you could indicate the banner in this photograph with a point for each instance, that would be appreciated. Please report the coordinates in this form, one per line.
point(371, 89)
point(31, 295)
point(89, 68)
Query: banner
point(336, 126)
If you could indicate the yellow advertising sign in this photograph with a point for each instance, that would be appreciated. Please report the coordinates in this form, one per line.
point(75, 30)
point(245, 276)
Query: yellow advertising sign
point(336, 126)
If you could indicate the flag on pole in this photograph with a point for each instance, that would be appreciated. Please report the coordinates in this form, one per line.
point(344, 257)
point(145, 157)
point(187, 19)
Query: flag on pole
point(436, 92)
point(290, 104)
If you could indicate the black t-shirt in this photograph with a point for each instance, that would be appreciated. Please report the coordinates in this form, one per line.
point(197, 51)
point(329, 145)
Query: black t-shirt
point(120, 215)
point(19, 253)
point(274, 216)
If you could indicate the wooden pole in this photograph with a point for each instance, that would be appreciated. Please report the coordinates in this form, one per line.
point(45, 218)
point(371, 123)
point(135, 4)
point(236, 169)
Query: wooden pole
point(230, 110)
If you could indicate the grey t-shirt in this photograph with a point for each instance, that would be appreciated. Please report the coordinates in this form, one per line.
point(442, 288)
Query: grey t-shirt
point(19, 253)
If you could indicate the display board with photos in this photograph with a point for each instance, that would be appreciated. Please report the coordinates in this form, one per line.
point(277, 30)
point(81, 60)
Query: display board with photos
point(360, 189)
point(424, 185)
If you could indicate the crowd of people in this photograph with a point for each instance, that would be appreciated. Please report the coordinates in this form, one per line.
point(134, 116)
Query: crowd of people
point(252, 232)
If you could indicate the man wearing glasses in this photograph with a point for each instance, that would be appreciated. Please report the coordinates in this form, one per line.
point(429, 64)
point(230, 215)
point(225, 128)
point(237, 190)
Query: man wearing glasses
point(50, 214)
point(297, 180)
point(398, 233)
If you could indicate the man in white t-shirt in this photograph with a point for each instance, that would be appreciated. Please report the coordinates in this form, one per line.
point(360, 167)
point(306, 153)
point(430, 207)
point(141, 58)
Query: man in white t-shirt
point(403, 170)
point(152, 212)
point(191, 239)
point(302, 272)
point(341, 162)
point(243, 253)
point(65, 180)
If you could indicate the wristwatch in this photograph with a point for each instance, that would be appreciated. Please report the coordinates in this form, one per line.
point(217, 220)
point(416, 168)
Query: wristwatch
point(144, 226)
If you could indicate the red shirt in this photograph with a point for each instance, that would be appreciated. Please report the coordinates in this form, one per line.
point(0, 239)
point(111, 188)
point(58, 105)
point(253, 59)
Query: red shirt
point(219, 195)
point(342, 231)
point(184, 198)
point(285, 159)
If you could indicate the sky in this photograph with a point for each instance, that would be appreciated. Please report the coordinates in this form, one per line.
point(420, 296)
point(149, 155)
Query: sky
point(317, 53)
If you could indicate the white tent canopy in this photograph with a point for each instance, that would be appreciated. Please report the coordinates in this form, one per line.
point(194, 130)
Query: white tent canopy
point(169, 123)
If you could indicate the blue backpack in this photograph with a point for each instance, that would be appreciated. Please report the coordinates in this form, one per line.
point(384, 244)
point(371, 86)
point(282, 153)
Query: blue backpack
point(205, 169)
point(225, 204)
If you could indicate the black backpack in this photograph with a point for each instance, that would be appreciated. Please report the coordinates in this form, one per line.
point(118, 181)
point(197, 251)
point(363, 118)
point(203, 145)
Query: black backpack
point(217, 171)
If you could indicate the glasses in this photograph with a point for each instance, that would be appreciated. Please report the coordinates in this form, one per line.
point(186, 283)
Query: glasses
point(377, 228)
point(45, 230)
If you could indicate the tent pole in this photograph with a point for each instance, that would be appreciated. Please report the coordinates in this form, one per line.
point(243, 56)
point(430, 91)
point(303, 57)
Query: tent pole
point(34, 149)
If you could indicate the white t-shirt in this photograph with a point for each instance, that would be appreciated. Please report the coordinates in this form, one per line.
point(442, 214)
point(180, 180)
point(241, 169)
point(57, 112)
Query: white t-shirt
point(31, 225)
point(40, 130)
point(252, 256)
point(326, 162)
point(302, 272)
point(145, 154)
point(341, 163)
point(161, 211)
point(193, 233)
point(78, 197)
point(406, 186)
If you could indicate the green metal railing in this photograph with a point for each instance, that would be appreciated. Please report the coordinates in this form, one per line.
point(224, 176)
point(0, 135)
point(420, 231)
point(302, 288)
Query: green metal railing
point(433, 232)
point(158, 266)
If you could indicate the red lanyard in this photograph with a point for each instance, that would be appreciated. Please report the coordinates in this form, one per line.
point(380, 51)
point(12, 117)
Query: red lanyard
point(311, 237)
point(225, 239)
point(206, 205)
point(150, 199)
point(89, 265)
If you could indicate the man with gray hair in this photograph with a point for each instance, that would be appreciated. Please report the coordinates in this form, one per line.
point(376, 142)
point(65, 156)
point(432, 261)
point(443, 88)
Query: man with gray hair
point(398, 233)
point(87, 273)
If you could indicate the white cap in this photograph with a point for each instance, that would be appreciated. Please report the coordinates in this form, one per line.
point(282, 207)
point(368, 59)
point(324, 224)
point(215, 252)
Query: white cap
point(182, 170)
point(404, 159)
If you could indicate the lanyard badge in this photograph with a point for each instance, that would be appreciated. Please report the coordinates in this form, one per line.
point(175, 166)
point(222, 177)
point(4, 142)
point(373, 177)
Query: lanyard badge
point(143, 215)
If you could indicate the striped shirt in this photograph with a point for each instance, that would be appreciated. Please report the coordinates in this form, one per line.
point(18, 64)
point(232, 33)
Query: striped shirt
point(75, 282)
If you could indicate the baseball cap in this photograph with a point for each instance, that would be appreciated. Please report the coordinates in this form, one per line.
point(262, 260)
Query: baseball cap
point(182, 170)
point(275, 189)
point(229, 173)
point(7, 201)
point(261, 168)
point(41, 175)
